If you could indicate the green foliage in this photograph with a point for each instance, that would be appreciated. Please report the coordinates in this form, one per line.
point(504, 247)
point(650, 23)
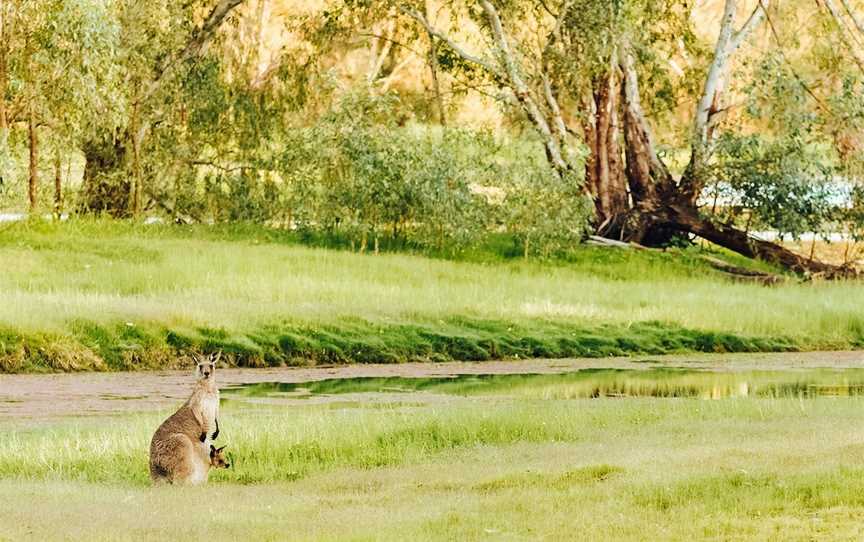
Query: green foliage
point(358, 174)
point(853, 215)
point(784, 185)
point(59, 70)
point(776, 97)
point(544, 213)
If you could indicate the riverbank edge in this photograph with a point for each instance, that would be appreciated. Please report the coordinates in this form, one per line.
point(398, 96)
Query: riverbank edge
point(123, 347)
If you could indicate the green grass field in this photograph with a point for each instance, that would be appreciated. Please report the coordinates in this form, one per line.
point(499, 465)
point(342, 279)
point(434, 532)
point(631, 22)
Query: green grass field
point(484, 463)
point(103, 295)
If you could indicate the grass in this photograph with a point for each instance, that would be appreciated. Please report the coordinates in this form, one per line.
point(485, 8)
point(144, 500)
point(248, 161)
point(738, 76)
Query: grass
point(470, 467)
point(103, 295)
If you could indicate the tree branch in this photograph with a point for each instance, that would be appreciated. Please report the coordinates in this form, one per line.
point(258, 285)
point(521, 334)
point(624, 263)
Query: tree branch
point(728, 40)
point(420, 18)
point(226, 169)
point(846, 33)
point(196, 43)
point(397, 43)
point(523, 92)
point(852, 16)
point(752, 22)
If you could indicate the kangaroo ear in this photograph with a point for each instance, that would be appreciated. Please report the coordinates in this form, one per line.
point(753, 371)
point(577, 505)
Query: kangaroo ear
point(219, 450)
point(215, 357)
point(213, 450)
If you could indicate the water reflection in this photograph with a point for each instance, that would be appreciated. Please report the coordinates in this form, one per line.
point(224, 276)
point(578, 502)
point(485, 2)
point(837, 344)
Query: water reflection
point(589, 383)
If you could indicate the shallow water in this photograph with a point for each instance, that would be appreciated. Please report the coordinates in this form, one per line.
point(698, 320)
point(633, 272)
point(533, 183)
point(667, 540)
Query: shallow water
point(584, 384)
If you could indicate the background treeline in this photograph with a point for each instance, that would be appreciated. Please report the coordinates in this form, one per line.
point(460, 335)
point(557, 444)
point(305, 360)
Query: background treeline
point(441, 123)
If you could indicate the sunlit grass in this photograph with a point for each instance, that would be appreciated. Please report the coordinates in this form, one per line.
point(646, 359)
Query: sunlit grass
point(467, 468)
point(121, 290)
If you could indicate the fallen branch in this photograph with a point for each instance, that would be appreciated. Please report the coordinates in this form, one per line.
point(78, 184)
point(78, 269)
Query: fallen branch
point(742, 273)
point(598, 241)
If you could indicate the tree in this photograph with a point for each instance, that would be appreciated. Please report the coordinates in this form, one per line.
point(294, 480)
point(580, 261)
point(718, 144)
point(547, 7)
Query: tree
point(5, 13)
point(653, 204)
point(850, 26)
point(504, 65)
point(50, 71)
point(113, 179)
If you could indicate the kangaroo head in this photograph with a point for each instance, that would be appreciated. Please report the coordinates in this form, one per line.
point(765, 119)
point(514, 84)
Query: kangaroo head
point(217, 458)
point(206, 369)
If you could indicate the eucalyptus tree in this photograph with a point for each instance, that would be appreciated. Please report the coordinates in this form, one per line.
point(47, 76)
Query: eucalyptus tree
point(53, 74)
point(504, 62)
point(586, 60)
point(161, 40)
point(838, 91)
point(5, 14)
point(850, 25)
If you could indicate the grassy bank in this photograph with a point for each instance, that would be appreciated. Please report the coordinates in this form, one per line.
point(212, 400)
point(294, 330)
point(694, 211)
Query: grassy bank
point(532, 466)
point(104, 295)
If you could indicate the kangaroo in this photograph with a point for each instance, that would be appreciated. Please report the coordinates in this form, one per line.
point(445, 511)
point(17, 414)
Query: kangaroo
point(217, 459)
point(179, 450)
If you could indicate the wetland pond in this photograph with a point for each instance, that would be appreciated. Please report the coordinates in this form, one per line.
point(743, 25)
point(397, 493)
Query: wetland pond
point(580, 384)
point(799, 375)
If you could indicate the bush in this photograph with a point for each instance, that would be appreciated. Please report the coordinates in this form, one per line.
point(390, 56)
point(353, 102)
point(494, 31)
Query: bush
point(360, 176)
point(782, 185)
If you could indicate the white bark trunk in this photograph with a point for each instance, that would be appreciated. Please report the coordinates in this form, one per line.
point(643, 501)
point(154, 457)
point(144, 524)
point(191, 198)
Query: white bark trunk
point(380, 51)
point(728, 41)
point(712, 84)
point(522, 91)
point(509, 70)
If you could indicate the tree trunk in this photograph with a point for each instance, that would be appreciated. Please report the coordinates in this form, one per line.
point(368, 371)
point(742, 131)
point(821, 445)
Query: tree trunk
point(662, 208)
point(651, 185)
point(106, 187)
point(136, 134)
point(33, 183)
point(58, 185)
point(380, 53)
point(685, 218)
point(604, 168)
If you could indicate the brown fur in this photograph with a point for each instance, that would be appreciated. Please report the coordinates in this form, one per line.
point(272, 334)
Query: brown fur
point(179, 450)
point(217, 458)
